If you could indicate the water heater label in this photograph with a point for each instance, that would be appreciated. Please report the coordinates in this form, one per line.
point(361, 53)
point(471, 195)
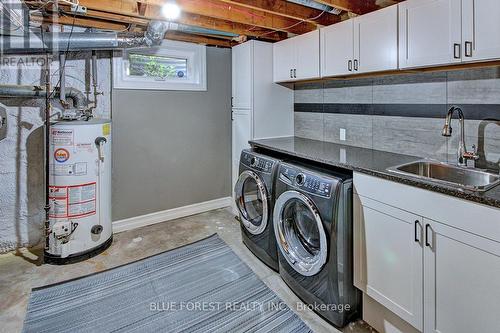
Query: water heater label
point(77, 169)
point(106, 129)
point(72, 201)
point(61, 155)
point(82, 200)
point(58, 201)
point(62, 137)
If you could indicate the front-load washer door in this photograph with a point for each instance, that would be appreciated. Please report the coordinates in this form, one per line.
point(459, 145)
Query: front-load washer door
point(252, 202)
point(300, 233)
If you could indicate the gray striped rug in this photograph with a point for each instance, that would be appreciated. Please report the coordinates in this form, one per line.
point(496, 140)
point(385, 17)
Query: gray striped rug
point(200, 287)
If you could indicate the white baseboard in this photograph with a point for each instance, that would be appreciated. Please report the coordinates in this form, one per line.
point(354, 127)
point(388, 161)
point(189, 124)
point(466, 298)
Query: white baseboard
point(170, 214)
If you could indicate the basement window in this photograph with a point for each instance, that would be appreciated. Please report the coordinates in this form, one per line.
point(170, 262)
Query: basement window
point(170, 66)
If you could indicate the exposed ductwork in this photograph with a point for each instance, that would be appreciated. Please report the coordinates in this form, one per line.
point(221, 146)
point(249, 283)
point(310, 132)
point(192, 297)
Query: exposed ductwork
point(197, 30)
point(317, 5)
point(14, 91)
point(81, 41)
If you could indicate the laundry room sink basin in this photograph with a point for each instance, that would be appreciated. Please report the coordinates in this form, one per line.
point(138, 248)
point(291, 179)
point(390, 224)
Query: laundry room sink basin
point(447, 174)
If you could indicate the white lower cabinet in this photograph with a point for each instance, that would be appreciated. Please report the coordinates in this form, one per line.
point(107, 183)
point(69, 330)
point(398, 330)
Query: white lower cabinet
point(389, 258)
point(437, 276)
point(462, 281)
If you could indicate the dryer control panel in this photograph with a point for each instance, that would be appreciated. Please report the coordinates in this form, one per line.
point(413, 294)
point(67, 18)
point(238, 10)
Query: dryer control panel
point(257, 162)
point(306, 181)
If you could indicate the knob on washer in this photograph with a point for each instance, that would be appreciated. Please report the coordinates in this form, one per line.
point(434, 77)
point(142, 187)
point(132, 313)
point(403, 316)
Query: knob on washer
point(299, 179)
point(253, 161)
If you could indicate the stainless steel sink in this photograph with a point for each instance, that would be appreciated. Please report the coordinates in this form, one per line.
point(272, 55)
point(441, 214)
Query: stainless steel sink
point(447, 174)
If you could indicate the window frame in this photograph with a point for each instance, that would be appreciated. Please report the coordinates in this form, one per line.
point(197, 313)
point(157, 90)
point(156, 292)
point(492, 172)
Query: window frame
point(195, 80)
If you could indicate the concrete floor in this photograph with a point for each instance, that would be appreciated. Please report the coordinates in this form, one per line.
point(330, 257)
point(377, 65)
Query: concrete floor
point(21, 271)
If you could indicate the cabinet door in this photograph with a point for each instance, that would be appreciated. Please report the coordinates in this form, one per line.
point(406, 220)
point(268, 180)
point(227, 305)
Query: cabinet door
point(307, 56)
point(462, 281)
point(429, 32)
point(241, 134)
point(388, 258)
point(283, 60)
point(480, 30)
point(337, 49)
point(242, 76)
point(376, 41)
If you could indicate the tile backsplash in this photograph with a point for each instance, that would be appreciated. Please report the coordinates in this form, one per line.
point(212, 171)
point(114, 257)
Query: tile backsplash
point(405, 113)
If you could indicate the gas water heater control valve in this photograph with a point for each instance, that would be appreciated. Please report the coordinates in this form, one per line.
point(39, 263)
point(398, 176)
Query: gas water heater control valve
point(62, 229)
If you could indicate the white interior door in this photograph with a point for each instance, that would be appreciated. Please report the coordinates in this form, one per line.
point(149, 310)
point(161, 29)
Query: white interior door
point(462, 281)
point(480, 29)
point(283, 60)
point(337, 49)
point(307, 56)
point(242, 76)
point(388, 258)
point(376, 40)
point(429, 32)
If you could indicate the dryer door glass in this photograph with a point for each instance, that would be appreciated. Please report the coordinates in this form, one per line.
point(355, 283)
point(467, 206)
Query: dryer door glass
point(251, 200)
point(300, 233)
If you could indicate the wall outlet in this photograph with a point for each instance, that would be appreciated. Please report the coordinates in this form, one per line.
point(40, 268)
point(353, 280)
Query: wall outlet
point(342, 134)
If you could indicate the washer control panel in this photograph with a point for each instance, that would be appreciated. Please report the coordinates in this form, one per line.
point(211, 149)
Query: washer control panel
point(257, 162)
point(306, 181)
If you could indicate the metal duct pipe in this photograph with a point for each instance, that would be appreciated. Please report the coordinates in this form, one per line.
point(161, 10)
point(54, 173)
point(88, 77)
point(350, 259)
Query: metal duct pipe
point(197, 30)
point(94, 77)
point(317, 5)
point(15, 91)
point(81, 41)
point(62, 77)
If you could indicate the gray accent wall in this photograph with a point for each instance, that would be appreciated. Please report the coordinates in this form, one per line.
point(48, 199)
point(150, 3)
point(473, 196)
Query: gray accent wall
point(173, 148)
point(405, 113)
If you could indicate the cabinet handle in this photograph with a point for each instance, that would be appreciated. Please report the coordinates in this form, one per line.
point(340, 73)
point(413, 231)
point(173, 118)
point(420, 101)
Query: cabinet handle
point(355, 64)
point(232, 101)
point(456, 50)
point(427, 226)
point(291, 73)
point(295, 73)
point(417, 224)
point(349, 65)
point(468, 49)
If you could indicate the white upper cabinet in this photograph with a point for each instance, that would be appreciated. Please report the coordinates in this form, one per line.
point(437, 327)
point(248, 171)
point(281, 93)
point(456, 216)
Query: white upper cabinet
point(367, 43)
point(297, 58)
point(376, 41)
point(480, 30)
point(283, 60)
point(242, 76)
point(307, 56)
point(429, 32)
point(337, 49)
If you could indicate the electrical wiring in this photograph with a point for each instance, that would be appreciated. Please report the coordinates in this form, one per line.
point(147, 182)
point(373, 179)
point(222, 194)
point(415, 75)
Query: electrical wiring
point(293, 25)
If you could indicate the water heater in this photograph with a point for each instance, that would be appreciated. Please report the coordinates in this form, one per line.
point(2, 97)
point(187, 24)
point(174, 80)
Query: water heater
point(79, 190)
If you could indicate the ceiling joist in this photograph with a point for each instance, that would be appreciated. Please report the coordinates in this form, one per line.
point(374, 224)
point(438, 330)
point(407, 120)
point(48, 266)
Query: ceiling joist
point(267, 20)
point(288, 9)
point(232, 12)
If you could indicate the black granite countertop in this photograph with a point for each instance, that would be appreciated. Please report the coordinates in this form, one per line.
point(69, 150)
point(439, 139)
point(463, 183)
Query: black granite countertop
point(368, 161)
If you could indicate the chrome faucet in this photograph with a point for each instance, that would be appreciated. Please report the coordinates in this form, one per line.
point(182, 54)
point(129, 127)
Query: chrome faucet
point(462, 154)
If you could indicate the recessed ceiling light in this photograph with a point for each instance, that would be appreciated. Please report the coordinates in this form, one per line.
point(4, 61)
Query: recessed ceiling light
point(171, 10)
